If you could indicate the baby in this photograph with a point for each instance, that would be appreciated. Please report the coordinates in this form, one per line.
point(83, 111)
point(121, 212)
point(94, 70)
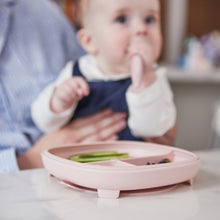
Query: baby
point(123, 41)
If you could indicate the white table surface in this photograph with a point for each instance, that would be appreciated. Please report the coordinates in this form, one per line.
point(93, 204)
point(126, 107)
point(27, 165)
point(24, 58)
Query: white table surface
point(33, 195)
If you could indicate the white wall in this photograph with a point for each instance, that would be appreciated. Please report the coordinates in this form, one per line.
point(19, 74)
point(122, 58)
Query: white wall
point(176, 18)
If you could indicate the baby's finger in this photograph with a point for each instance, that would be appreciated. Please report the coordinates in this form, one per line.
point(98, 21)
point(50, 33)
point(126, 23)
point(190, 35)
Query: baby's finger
point(80, 86)
point(66, 95)
point(70, 90)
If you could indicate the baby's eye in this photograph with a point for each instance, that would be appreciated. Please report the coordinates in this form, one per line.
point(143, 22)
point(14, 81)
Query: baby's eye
point(150, 19)
point(121, 19)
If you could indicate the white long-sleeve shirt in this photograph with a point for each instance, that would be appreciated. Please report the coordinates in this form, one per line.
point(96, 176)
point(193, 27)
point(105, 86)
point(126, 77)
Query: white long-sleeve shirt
point(153, 106)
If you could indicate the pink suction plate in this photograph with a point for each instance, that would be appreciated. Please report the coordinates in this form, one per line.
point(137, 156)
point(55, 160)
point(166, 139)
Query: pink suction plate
point(112, 176)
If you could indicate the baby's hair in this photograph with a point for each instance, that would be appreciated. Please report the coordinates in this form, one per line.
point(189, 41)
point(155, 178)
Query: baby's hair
point(80, 6)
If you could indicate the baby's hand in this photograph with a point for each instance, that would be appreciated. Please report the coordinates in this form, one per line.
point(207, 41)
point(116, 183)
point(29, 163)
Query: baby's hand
point(142, 59)
point(68, 93)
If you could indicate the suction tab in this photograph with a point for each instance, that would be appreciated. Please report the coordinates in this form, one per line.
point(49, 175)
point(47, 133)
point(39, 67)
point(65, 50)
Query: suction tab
point(108, 194)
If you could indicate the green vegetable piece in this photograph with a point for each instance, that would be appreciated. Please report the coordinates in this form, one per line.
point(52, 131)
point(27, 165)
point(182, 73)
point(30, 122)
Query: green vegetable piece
point(95, 154)
point(98, 156)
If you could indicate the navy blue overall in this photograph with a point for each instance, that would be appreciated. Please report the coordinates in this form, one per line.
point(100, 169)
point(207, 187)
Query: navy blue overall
point(104, 95)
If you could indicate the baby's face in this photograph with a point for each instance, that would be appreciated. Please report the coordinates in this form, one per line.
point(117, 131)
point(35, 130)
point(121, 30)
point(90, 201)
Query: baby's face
point(121, 28)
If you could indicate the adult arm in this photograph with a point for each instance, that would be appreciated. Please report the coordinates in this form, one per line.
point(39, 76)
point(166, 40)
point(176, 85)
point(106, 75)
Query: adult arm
point(102, 126)
point(8, 162)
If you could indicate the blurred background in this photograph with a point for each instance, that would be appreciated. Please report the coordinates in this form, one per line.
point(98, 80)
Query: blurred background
point(191, 52)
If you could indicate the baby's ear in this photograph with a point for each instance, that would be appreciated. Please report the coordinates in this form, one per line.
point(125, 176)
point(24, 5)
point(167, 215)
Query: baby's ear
point(86, 42)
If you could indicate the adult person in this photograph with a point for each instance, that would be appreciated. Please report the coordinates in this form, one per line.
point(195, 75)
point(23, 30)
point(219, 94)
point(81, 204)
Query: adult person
point(35, 43)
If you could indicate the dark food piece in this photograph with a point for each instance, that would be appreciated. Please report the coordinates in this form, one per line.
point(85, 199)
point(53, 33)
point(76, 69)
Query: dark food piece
point(166, 160)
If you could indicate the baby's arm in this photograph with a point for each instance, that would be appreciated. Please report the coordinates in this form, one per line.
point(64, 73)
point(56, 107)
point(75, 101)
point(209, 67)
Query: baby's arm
point(150, 100)
point(152, 111)
point(42, 114)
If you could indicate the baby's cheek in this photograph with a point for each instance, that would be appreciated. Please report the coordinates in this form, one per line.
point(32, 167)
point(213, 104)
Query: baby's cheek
point(157, 42)
point(120, 42)
point(117, 51)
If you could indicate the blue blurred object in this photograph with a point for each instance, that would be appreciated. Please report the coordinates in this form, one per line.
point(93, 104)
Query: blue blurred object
point(201, 54)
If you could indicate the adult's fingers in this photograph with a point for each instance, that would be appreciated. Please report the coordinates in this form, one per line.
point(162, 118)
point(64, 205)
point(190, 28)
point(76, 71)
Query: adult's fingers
point(101, 126)
point(96, 118)
point(107, 132)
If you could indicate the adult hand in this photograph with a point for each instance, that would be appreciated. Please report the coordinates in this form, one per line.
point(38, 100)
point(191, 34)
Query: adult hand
point(102, 126)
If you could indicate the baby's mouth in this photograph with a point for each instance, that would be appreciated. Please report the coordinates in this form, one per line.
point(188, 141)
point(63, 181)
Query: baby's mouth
point(136, 45)
point(126, 52)
point(130, 54)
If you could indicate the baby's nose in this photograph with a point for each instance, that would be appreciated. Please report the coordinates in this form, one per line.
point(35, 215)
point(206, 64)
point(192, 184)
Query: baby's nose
point(141, 29)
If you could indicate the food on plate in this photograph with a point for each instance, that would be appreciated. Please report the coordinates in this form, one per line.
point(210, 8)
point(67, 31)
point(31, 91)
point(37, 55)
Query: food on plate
point(98, 156)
